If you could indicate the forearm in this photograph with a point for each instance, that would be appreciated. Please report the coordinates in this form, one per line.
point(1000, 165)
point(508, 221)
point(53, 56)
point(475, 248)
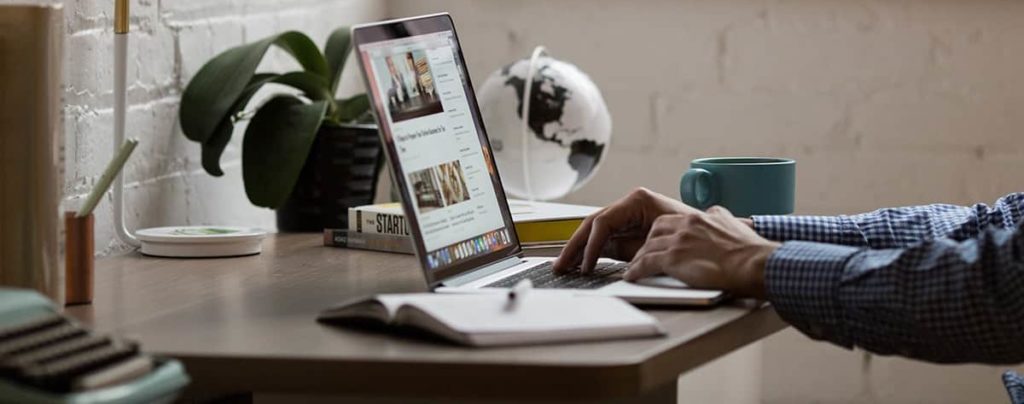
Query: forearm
point(940, 300)
point(820, 229)
point(895, 227)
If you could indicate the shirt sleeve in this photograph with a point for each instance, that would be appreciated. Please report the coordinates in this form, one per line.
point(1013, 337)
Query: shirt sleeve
point(942, 300)
point(895, 227)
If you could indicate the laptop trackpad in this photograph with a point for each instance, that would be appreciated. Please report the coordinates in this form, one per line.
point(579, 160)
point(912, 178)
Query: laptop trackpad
point(662, 282)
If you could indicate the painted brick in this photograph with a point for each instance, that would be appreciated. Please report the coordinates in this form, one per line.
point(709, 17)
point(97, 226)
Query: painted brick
point(880, 102)
point(939, 122)
point(169, 41)
point(199, 41)
point(751, 124)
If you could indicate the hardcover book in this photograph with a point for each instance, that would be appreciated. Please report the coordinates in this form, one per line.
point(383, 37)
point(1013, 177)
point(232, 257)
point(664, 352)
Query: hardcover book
point(367, 241)
point(536, 222)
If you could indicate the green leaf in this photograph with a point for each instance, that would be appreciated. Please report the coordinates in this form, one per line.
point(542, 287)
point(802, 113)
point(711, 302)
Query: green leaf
point(219, 85)
point(353, 108)
point(216, 88)
point(336, 51)
point(313, 86)
point(257, 81)
point(276, 146)
point(213, 148)
point(305, 52)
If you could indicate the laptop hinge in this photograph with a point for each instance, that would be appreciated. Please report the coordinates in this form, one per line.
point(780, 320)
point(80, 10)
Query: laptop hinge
point(470, 276)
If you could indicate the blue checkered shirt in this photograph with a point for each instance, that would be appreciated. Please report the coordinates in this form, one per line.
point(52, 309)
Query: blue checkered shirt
point(940, 283)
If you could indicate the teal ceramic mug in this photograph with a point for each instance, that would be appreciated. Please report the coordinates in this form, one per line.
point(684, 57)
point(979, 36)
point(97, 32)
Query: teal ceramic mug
point(745, 185)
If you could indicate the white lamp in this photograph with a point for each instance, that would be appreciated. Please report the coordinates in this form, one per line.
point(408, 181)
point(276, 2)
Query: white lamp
point(120, 67)
point(175, 241)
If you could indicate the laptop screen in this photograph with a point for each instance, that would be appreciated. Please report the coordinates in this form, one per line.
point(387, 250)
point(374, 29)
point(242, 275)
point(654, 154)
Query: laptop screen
point(440, 156)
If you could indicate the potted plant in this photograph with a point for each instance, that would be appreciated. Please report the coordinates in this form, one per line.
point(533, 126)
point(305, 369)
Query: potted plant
point(305, 153)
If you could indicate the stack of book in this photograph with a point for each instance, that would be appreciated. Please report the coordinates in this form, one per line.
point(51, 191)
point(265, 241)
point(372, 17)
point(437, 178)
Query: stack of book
point(543, 227)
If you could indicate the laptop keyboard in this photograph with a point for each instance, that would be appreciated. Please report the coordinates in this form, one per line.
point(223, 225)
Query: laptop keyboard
point(544, 278)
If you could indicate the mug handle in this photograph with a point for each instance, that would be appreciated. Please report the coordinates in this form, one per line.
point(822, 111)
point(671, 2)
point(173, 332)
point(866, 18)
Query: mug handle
point(697, 188)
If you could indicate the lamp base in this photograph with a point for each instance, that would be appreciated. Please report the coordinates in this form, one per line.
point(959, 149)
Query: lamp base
point(201, 241)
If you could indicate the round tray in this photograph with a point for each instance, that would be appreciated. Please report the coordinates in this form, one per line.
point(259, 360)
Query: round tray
point(201, 241)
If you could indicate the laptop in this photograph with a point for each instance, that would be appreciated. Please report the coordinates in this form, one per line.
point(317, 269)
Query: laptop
point(440, 159)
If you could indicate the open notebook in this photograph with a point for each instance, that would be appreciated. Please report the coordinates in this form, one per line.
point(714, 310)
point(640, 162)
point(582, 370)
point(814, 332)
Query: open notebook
point(493, 319)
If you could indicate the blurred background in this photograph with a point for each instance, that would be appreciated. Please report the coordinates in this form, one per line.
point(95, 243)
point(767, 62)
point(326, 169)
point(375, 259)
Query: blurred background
point(881, 103)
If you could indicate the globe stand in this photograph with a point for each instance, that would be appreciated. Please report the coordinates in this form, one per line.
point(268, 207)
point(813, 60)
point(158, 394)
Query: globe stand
point(525, 128)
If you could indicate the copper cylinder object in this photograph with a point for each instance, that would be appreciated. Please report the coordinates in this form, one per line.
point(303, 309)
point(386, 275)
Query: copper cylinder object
point(79, 244)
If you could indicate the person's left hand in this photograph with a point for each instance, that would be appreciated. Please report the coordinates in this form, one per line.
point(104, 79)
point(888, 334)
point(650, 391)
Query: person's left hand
point(712, 250)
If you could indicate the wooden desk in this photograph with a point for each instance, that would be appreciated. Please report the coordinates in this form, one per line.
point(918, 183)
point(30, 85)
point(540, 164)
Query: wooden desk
point(247, 325)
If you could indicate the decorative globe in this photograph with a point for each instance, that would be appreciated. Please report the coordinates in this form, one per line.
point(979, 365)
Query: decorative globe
point(565, 136)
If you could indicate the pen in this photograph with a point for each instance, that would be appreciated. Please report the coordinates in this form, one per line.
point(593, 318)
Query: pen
point(113, 169)
point(518, 292)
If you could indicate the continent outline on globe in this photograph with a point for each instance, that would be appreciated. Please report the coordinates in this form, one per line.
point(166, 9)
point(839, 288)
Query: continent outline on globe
point(550, 95)
point(545, 106)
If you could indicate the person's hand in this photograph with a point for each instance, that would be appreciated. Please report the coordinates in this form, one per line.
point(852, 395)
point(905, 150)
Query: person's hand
point(712, 250)
point(619, 229)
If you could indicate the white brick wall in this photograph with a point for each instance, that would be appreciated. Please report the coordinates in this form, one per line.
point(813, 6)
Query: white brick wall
point(170, 41)
point(882, 103)
point(856, 91)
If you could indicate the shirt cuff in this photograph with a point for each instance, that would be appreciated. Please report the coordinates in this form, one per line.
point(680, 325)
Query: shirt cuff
point(822, 229)
point(802, 282)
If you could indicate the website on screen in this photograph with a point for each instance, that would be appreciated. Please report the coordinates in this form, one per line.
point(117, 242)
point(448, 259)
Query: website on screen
point(419, 83)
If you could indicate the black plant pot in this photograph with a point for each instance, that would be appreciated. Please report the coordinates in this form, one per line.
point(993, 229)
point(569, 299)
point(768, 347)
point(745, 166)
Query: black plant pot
point(341, 171)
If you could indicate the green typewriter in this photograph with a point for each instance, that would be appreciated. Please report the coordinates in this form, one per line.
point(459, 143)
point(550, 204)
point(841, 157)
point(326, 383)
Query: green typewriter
point(46, 357)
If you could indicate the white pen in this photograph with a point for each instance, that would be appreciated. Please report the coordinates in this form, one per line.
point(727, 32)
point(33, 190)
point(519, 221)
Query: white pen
point(518, 292)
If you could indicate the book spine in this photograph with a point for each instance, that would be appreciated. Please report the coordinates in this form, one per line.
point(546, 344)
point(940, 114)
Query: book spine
point(370, 222)
point(367, 241)
point(549, 231)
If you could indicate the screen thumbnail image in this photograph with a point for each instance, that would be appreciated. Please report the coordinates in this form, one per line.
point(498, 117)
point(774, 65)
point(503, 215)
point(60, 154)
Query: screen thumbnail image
point(453, 182)
point(426, 189)
point(408, 83)
point(439, 186)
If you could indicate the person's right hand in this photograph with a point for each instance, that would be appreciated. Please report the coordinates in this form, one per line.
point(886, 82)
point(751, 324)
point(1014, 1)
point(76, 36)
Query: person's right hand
point(624, 224)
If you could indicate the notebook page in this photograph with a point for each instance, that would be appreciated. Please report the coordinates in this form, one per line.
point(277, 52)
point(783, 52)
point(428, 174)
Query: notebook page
point(538, 311)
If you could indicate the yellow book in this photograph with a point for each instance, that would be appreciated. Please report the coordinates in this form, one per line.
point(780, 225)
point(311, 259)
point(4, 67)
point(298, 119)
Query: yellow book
point(535, 222)
point(557, 230)
point(545, 222)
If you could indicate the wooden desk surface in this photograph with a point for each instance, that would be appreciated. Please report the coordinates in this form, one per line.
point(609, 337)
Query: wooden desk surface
point(247, 324)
